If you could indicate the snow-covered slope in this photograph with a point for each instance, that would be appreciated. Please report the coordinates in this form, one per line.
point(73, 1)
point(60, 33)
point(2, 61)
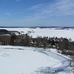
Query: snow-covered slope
point(28, 60)
point(50, 32)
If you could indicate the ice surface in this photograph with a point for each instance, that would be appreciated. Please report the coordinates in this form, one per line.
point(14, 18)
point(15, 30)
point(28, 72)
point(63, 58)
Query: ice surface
point(28, 60)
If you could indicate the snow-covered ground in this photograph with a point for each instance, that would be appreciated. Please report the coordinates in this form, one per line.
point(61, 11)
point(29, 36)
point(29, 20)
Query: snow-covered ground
point(50, 32)
point(29, 60)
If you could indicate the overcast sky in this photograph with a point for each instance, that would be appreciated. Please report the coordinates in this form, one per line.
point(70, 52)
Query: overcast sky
point(36, 12)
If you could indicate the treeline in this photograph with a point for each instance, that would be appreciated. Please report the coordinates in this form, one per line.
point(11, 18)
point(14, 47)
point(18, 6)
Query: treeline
point(63, 44)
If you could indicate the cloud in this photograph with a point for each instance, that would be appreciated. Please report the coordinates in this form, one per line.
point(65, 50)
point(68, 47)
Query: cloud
point(63, 7)
point(43, 12)
point(60, 7)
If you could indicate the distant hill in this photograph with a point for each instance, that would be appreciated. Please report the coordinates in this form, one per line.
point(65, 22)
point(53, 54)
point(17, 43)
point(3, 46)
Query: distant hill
point(58, 27)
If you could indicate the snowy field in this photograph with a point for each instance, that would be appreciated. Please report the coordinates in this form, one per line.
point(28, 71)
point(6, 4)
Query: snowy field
point(48, 32)
point(28, 60)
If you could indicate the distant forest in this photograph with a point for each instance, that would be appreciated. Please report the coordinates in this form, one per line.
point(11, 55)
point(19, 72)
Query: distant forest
point(56, 27)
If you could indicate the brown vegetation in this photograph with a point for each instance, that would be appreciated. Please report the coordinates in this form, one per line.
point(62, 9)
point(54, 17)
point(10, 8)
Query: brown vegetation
point(63, 44)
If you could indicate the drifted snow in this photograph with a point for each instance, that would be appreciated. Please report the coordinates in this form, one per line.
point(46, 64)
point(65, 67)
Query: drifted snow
point(28, 60)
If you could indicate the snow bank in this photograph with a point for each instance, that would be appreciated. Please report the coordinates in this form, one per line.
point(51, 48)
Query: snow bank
point(27, 60)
